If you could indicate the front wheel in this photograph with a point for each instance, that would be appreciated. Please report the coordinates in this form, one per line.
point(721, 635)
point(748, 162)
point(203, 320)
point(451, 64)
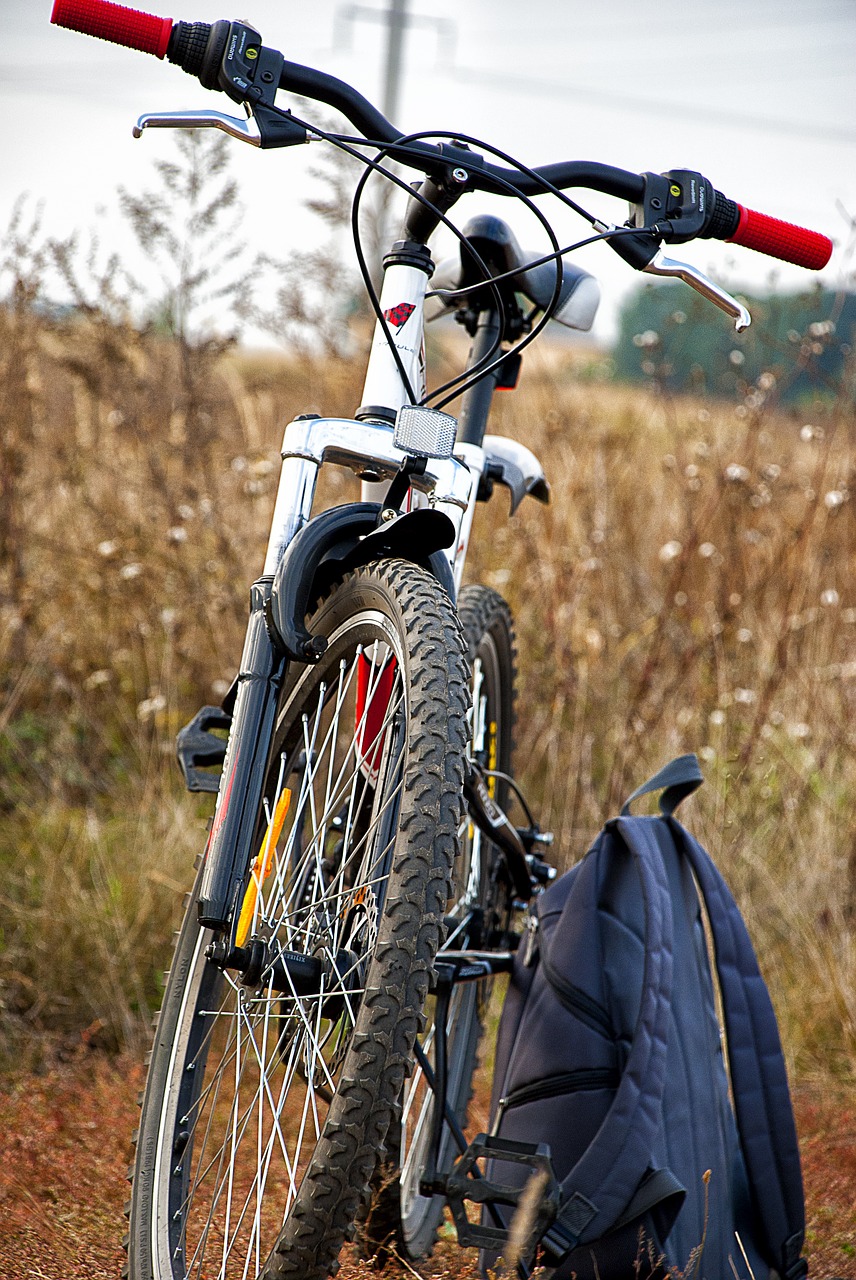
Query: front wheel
point(477, 915)
point(269, 1099)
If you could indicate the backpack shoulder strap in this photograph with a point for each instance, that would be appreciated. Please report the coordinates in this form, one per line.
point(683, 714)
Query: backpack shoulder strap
point(601, 1184)
point(759, 1080)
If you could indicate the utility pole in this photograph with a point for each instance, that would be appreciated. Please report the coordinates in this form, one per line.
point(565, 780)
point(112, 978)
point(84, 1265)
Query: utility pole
point(396, 25)
point(397, 20)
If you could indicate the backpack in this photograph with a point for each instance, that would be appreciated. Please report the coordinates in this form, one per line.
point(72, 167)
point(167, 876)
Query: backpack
point(609, 1050)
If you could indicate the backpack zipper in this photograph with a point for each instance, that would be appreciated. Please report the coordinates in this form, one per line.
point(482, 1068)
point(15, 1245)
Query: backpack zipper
point(551, 1086)
point(571, 997)
point(576, 1001)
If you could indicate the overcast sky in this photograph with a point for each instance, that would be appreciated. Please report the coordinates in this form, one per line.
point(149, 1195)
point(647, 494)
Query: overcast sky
point(759, 95)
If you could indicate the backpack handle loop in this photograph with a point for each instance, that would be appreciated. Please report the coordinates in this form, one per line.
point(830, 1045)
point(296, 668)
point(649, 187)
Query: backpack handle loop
point(677, 780)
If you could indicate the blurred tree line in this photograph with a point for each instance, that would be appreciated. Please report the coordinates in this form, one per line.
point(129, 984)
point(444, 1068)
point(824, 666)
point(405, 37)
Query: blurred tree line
point(799, 347)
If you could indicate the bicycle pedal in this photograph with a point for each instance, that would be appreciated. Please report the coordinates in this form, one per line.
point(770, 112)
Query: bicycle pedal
point(454, 967)
point(466, 1184)
point(198, 749)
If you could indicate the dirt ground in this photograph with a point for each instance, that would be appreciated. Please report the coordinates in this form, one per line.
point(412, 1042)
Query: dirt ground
point(64, 1146)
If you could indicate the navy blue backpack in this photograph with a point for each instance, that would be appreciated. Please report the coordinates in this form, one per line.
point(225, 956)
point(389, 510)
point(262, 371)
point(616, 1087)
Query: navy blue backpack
point(674, 1148)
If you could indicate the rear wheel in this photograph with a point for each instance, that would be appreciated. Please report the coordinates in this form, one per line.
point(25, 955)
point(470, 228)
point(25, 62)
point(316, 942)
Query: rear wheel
point(272, 1085)
point(477, 914)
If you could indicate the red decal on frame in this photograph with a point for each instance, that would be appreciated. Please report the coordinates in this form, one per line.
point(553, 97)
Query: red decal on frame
point(397, 316)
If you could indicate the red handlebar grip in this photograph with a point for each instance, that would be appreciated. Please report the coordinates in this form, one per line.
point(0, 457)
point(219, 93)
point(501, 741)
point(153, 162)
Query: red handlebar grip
point(782, 240)
point(116, 23)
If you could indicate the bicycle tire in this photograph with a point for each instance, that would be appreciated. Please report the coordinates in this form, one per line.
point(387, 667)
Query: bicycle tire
point(220, 1111)
point(399, 1218)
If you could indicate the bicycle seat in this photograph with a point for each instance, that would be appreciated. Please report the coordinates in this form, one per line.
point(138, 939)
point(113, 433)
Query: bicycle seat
point(495, 243)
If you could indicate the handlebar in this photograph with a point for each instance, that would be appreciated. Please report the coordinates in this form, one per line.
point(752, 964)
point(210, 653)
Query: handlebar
point(674, 207)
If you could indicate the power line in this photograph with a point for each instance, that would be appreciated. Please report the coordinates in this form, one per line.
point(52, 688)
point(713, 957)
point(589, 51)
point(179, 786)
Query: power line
point(714, 116)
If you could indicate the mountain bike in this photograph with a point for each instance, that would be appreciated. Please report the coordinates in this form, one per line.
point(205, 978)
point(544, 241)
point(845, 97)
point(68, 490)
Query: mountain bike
point(361, 880)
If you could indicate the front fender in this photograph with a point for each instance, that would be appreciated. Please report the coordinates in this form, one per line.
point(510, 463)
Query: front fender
point(342, 539)
point(515, 466)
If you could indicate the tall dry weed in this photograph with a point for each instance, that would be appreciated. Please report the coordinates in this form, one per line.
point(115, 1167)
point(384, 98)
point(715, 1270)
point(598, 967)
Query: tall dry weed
point(691, 588)
point(138, 469)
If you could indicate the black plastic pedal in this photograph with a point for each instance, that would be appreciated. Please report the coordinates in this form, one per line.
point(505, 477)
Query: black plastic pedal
point(466, 1183)
point(198, 749)
point(452, 967)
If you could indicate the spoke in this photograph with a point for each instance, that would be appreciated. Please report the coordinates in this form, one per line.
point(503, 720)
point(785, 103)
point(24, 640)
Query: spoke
point(334, 734)
point(425, 1111)
point(234, 1136)
point(311, 793)
point(459, 931)
point(356, 776)
point(277, 888)
point(333, 895)
point(201, 1177)
point(239, 1122)
point(297, 914)
point(479, 707)
point(334, 803)
point(276, 1061)
point(211, 1092)
point(263, 1154)
point(336, 793)
point(257, 1222)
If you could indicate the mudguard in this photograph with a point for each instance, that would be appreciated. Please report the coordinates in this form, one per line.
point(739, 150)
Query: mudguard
point(342, 539)
point(512, 464)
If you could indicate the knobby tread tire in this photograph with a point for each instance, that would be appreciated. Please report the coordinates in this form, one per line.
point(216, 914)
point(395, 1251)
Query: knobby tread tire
point(389, 1016)
point(483, 613)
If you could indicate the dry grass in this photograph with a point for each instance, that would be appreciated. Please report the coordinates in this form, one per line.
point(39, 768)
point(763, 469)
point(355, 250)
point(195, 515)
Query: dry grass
point(64, 1151)
point(689, 588)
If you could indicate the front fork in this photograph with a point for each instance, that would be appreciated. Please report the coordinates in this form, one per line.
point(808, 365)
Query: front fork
point(230, 848)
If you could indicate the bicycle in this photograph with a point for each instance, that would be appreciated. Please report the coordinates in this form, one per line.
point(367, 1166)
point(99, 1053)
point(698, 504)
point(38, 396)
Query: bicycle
point(361, 865)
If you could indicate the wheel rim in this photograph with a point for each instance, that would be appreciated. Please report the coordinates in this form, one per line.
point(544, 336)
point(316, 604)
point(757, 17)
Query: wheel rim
point(254, 1069)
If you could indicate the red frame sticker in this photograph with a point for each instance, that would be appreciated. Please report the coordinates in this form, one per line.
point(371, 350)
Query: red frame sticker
point(400, 314)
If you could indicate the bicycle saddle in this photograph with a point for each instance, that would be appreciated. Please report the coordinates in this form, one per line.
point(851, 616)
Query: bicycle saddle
point(495, 243)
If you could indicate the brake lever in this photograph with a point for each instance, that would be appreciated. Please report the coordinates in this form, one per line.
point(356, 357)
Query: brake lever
point(245, 130)
point(660, 265)
point(263, 126)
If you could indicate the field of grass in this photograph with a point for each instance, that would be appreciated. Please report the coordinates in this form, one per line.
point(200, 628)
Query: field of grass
point(691, 587)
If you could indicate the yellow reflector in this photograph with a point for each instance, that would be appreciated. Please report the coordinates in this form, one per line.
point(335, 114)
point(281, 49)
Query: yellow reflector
point(262, 866)
point(491, 759)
